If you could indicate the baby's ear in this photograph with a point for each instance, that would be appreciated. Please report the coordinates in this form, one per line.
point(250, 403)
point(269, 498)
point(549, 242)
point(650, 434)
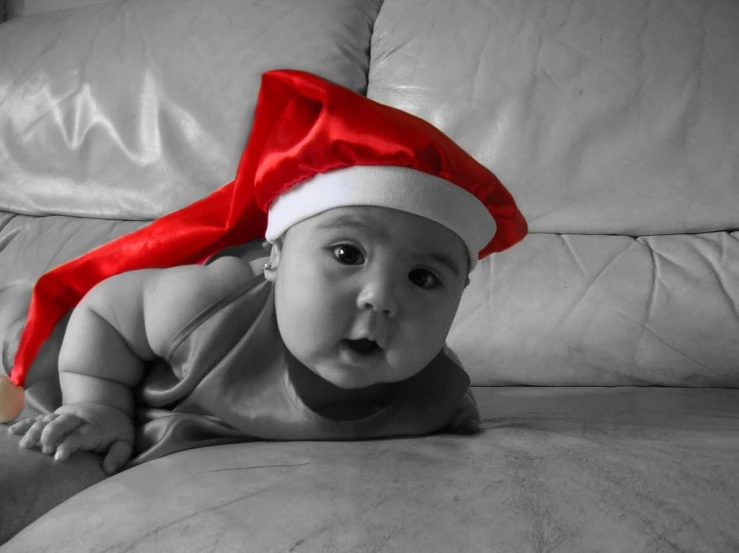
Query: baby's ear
point(270, 272)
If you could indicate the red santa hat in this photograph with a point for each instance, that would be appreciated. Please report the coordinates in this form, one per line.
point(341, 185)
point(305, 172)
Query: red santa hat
point(313, 146)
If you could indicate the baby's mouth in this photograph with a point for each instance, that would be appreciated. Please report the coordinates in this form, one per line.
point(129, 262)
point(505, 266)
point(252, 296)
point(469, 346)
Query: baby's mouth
point(363, 346)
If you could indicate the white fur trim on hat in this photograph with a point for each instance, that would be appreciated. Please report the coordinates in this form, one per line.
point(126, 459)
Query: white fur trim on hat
point(394, 187)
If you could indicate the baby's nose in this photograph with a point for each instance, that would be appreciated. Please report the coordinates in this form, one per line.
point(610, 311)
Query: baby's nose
point(378, 297)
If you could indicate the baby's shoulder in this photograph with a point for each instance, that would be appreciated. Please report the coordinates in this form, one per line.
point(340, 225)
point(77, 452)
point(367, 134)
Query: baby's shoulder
point(231, 271)
point(173, 297)
point(221, 278)
point(192, 287)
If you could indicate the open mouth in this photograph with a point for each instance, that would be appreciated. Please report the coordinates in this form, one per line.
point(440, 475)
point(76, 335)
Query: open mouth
point(363, 346)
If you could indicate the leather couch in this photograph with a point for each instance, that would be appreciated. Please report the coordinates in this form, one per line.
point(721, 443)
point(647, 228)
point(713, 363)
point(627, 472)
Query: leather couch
point(604, 349)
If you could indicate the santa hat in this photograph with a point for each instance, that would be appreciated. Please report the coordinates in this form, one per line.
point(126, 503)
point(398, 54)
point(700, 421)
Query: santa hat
point(313, 146)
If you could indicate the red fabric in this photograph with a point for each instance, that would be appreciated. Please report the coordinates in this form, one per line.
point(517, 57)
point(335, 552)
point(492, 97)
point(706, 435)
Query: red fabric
point(303, 125)
point(317, 126)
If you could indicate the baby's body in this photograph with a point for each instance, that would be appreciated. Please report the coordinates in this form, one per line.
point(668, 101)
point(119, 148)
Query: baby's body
point(364, 298)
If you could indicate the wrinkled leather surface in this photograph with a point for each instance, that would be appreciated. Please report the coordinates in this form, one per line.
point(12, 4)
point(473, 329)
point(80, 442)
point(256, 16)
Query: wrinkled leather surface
point(604, 311)
point(133, 109)
point(601, 117)
point(22, 8)
point(31, 245)
point(581, 470)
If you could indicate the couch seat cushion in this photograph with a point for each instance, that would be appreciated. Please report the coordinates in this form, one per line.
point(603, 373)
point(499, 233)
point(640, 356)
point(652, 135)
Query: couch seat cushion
point(555, 469)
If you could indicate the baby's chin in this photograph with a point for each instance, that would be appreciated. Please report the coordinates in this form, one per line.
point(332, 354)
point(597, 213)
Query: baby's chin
point(346, 378)
point(353, 379)
point(350, 373)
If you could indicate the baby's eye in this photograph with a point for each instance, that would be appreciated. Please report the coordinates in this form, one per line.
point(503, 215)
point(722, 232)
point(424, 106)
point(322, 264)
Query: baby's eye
point(423, 278)
point(348, 255)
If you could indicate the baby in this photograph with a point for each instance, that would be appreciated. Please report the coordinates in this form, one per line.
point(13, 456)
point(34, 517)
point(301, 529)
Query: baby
point(375, 220)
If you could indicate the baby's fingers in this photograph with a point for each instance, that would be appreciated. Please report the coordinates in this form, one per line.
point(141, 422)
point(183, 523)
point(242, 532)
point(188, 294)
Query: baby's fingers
point(69, 444)
point(33, 433)
point(21, 427)
point(56, 430)
point(118, 454)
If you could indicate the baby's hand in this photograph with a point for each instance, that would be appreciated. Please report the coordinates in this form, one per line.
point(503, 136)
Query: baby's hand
point(81, 426)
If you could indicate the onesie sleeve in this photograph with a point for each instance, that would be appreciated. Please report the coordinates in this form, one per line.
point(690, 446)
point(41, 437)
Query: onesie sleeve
point(202, 344)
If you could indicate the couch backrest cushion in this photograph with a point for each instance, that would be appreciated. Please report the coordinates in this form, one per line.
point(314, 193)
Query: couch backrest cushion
point(602, 117)
point(582, 310)
point(132, 109)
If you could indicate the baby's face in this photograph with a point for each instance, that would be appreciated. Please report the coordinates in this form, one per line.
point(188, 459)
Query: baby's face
point(367, 295)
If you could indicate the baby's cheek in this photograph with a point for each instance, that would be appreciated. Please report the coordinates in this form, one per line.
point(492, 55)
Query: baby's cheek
point(434, 323)
point(305, 325)
point(411, 355)
point(431, 336)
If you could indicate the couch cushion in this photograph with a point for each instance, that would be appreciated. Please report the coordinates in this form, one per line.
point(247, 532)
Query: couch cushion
point(132, 109)
point(600, 116)
point(604, 311)
point(561, 469)
point(30, 246)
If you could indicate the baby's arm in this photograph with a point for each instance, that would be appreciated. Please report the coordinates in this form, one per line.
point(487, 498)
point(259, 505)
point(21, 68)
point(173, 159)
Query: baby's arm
point(130, 319)
point(119, 325)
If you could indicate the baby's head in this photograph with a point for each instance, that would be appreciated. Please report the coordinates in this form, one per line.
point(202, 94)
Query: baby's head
point(376, 219)
point(366, 294)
